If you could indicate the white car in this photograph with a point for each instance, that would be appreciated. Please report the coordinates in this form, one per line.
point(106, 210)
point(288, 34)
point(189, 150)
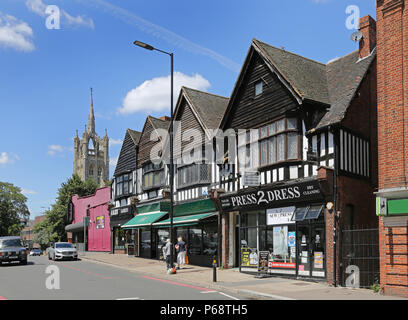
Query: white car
point(61, 251)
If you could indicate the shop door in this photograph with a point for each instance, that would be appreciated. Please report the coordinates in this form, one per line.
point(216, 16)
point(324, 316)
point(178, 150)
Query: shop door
point(303, 245)
point(145, 244)
point(317, 251)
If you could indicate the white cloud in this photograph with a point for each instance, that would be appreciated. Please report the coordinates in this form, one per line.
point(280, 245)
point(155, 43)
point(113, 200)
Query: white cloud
point(8, 158)
point(113, 142)
point(154, 95)
point(113, 161)
point(55, 149)
point(27, 192)
point(15, 34)
point(38, 7)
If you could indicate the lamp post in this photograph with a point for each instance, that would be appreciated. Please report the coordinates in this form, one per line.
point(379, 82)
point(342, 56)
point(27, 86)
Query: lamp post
point(151, 48)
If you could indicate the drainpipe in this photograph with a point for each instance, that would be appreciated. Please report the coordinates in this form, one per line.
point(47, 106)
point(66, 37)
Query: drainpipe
point(334, 206)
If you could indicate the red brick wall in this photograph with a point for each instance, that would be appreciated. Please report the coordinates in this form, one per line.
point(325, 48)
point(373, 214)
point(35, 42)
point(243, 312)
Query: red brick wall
point(392, 46)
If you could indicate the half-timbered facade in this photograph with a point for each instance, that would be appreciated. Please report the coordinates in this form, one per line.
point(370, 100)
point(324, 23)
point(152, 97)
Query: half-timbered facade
point(123, 189)
point(297, 121)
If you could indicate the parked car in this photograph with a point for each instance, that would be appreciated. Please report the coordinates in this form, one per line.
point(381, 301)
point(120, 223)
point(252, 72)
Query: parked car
point(11, 250)
point(61, 251)
point(35, 252)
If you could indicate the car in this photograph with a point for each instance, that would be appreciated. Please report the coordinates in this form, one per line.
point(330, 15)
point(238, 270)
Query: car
point(11, 250)
point(61, 251)
point(35, 252)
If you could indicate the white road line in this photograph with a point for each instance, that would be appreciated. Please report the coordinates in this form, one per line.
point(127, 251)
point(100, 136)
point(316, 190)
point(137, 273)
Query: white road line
point(224, 294)
point(208, 291)
point(135, 298)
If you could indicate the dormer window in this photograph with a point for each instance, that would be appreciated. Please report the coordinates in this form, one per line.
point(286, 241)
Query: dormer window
point(258, 88)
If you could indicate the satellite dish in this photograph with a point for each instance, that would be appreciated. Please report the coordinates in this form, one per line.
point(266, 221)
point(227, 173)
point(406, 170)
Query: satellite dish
point(356, 36)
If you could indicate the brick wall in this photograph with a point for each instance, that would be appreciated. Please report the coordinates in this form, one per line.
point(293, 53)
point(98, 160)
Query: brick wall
point(392, 48)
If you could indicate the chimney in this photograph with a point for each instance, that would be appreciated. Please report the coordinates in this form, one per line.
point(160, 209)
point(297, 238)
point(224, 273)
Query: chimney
point(368, 27)
point(165, 118)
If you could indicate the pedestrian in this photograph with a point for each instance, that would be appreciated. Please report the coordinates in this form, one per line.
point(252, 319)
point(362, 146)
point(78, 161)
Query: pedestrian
point(181, 248)
point(166, 253)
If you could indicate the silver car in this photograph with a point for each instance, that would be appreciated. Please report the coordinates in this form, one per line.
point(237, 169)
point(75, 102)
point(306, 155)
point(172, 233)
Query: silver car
point(61, 251)
point(11, 249)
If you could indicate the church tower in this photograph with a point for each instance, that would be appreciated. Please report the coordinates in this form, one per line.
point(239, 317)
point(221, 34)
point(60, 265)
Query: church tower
point(91, 153)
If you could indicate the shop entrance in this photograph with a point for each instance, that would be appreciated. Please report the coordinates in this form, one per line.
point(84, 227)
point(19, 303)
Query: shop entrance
point(310, 240)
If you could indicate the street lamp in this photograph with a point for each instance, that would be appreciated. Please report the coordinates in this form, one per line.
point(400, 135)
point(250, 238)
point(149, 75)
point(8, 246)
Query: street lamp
point(151, 48)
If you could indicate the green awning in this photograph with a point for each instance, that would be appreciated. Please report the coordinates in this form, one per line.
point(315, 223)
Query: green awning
point(143, 220)
point(154, 207)
point(397, 207)
point(193, 208)
point(184, 220)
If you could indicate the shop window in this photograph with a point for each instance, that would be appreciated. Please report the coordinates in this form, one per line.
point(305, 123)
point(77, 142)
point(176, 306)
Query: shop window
point(210, 239)
point(119, 239)
point(195, 241)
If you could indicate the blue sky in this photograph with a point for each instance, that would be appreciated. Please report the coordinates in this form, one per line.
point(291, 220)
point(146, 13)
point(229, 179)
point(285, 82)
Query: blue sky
point(46, 74)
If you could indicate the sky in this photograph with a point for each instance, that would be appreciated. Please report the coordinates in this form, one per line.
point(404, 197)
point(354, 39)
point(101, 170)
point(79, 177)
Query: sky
point(53, 51)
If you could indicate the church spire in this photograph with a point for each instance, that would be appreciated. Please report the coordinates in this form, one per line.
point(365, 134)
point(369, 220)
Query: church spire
point(91, 117)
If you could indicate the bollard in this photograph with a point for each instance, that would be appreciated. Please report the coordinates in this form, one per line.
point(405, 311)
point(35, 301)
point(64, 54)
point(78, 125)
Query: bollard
point(214, 270)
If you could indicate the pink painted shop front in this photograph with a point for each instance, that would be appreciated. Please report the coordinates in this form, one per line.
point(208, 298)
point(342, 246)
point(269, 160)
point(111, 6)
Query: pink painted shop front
point(96, 207)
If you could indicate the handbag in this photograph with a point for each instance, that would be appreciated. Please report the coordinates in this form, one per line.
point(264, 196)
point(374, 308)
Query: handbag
point(186, 258)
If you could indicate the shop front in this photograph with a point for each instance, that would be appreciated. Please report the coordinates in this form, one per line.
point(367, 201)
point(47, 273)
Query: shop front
point(197, 223)
point(144, 236)
point(120, 237)
point(281, 229)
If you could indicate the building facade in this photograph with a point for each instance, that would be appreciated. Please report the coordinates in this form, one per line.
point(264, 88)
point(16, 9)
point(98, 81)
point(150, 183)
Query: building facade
point(91, 153)
point(123, 190)
point(392, 201)
point(89, 222)
point(303, 135)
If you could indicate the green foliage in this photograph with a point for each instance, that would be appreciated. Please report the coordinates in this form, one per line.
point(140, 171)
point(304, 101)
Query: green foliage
point(375, 287)
point(52, 229)
point(13, 209)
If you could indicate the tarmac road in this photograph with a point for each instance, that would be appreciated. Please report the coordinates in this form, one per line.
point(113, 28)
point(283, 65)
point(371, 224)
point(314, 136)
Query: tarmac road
point(83, 280)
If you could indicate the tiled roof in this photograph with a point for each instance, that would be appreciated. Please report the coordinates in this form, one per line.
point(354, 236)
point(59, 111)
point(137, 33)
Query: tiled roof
point(210, 107)
point(333, 84)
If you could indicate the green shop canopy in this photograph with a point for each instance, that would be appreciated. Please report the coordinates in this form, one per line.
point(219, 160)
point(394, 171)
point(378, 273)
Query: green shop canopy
point(190, 213)
point(143, 220)
point(147, 214)
point(185, 220)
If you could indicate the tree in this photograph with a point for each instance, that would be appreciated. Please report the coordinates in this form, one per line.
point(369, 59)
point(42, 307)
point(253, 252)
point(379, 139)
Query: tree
point(53, 226)
point(13, 209)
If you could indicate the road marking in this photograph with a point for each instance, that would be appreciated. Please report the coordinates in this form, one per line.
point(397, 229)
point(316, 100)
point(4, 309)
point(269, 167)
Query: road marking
point(231, 297)
point(266, 295)
point(135, 298)
point(177, 283)
point(208, 291)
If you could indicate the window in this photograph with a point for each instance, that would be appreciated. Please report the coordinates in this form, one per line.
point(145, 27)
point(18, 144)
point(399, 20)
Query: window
point(124, 185)
point(258, 88)
point(153, 175)
point(193, 174)
point(99, 171)
point(279, 141)
point(91, 170)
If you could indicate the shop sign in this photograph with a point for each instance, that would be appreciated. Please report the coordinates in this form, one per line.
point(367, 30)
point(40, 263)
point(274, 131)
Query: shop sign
point(263, 261)
point(279, 216)
point(301, 192)
point(318, 260)
point(285, 265)
point(249, 258)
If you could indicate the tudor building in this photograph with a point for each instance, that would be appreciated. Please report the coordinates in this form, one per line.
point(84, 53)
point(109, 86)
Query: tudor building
point(306, 131)
point(123, 189)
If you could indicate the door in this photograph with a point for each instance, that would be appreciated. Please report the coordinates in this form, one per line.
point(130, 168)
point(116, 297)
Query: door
point(145, 244)
point(317, 251)
point(303, 245)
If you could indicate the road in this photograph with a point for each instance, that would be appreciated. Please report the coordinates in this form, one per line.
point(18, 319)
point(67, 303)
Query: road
point(84, 280)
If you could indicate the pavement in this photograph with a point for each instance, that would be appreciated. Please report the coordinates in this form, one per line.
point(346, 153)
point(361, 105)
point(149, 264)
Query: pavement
point(233, 281)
